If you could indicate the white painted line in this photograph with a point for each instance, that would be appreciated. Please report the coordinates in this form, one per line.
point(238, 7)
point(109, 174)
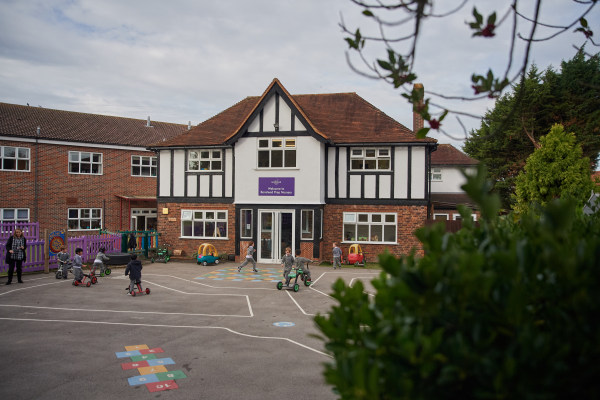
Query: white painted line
point(128, 311)
point(297, 305)
point(318, 291)
point(31, 287)
point(211, 286)
point(172, 326)
point(364, 291)
point(199, 294)
point(316, 280)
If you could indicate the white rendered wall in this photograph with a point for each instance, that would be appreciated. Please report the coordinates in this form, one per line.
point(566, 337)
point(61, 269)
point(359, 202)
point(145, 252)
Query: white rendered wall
point(385, 182)
point(418, 173)
point(331, 172)
point(452, 180)
point(228, 172)
point(343, 176)
point(401, 173)
point(370, 186)
point(165, 173)
point(179, 173)
point(308, 183)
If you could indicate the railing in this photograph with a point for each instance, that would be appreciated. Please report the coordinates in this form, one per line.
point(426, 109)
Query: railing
point(34, 260)
point(31, 230)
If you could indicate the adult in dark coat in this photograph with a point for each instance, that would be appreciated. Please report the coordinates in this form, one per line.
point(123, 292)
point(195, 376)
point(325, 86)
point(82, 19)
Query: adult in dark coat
point(134, 270)
point(16, 255)
point(132, 243)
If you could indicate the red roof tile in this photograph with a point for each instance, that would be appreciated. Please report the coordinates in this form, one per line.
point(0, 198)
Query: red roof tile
point(22, 121)
point(446, 154)
point(342, 118)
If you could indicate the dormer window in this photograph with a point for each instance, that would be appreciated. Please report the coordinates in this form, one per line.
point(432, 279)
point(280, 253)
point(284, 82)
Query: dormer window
point(370, 159)
point(277, 153)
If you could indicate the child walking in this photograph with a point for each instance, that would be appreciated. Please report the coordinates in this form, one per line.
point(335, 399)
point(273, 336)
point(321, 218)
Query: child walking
point(134, 270)
point(249, 258)
point(77, 263)
point(302, 262)
point(99, 261)
point(337, 256)
point(287, 262)
point(63, 258)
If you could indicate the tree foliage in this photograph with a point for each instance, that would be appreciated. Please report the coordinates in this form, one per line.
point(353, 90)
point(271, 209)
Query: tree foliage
point(510, 132)
point(498, 310)
point(555, 170)
point(401, 23)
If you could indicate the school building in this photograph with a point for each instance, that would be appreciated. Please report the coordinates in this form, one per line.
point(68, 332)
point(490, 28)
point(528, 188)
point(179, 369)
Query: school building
point(299, 171)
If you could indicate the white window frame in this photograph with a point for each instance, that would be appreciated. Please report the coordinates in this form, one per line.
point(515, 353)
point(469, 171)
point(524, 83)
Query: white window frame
point(91, 163)
point(243, 229)
point(288, 145)
point(22, 154)
point(15, 215)
point(364, 155)
point(85, 214)
point(439, 214)
point(205, 217)
point(436, 174)
point(307, 230)
point(200, 160)
point(370, 220)
point(457, 217)
point(138, 162)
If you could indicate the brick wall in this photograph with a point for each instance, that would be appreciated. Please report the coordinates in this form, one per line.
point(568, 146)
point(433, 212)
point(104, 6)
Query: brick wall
point(409, 218)
point(169, 226)
point(58, 190)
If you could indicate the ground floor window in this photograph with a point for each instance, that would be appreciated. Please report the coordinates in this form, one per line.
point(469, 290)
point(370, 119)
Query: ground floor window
point(370, 227)
point(440, 217)
point(204, 224)
point(307, 224)
point(85, 218)
point(246, 224)
point(14, 215)
point(457, 217)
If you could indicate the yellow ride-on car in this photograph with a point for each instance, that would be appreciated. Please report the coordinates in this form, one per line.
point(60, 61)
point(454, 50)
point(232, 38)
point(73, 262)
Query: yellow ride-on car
point(355, 255)
point(207, 254)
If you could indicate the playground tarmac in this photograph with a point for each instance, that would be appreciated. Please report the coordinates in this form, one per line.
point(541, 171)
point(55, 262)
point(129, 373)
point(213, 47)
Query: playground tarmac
point(203, 332)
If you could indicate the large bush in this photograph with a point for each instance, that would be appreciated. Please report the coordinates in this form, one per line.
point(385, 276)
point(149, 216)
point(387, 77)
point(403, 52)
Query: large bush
point(503, 310)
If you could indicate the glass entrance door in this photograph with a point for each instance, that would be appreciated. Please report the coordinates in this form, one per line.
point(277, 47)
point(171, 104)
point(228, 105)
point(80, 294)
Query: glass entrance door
point(276, 232)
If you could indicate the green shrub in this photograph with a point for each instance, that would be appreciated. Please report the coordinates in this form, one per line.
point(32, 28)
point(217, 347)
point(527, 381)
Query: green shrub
point(504, 310)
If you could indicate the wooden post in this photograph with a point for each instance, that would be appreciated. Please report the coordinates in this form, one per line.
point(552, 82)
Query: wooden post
point(46, 253)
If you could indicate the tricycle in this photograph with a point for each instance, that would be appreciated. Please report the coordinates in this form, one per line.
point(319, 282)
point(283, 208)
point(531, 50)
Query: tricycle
point(162, 253)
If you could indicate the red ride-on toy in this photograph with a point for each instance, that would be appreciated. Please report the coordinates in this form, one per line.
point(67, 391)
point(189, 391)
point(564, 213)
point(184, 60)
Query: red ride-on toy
point(88, 279)
point(356, 255)
point(139, 289)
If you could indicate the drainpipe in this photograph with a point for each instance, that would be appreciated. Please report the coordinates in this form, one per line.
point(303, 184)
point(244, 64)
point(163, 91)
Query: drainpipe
point(35, 183)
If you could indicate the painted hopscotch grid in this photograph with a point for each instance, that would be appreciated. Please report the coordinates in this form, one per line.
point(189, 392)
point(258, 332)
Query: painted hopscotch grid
point(152, 370)
point(247, 275)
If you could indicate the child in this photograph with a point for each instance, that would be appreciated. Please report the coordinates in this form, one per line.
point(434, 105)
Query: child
point(287, 262)
point(302, 262)
point(249, 258)
point(337, 256)
point(77, 263)
point(63, 258)
point(134, 270)
point(99, 261)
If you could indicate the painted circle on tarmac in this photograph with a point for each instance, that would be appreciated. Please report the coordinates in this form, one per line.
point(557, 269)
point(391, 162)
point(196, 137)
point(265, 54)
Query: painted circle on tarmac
point(283, 324)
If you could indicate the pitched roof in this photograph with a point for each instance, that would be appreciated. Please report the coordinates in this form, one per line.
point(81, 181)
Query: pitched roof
point(22, 121)
point(446, 154)
point(341, 118)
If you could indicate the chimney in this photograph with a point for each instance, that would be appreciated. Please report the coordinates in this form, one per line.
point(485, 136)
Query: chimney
point(189, 125)
point(148, 123)
point(417, 119)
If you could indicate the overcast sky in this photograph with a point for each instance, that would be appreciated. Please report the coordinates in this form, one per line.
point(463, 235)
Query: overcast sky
point(185, 60)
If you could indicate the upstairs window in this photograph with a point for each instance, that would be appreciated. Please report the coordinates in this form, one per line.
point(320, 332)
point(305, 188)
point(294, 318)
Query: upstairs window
point(143, 166)
point(436, 174)
point(370, 159)
point(205, 160)
point(83, 162)
point(276, 153)
point(14, 158)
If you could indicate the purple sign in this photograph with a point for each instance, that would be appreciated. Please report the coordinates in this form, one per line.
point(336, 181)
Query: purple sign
point(275, 186)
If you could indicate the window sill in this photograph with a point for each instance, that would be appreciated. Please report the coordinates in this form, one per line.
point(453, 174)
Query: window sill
point(204, 238)
point(277, 169)
point(363, 242)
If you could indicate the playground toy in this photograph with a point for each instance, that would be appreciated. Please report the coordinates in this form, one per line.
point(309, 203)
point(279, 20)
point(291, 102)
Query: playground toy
point(138, 284)
point(61, 267)
point(294, 274)
point(162, 253)
point(91, 279)
point(207, 254)
point(355, 255)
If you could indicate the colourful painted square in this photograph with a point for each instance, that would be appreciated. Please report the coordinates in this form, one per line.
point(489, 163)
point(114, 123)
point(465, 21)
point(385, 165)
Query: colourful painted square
point(165, 376)
point(143, 357)
point(133, 365)
point(161, 361)
point(154, 350)
point(136, 347)
point(160, 386)
point(152, 370)
point(123, 354)
point(142, 379)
